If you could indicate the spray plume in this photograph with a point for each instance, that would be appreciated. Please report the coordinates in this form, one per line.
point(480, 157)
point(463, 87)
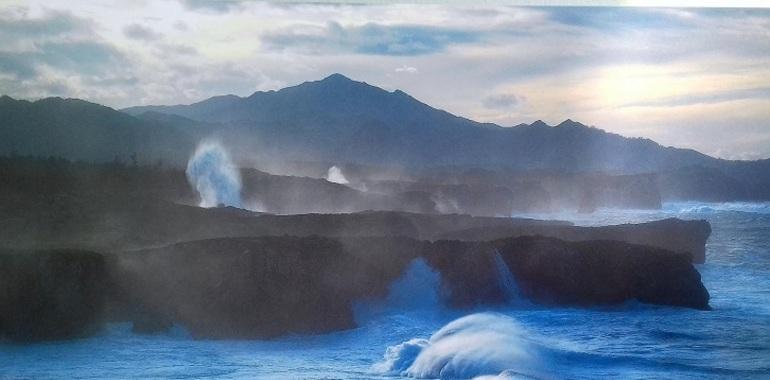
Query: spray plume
point(335, 175)
point(214, 176)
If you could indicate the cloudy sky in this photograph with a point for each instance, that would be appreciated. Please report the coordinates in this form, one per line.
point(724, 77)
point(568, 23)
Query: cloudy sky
point(697, 78)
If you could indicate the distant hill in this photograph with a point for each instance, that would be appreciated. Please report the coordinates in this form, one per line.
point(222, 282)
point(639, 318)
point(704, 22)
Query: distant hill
point(76, 129)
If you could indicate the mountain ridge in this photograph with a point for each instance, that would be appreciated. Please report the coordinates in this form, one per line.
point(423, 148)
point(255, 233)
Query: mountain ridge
point(335, 84)
point(340, 121)
point(81, 130)
point(337, 119)
point(351, 111)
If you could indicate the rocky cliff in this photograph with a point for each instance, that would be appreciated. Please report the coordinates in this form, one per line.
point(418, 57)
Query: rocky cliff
point(51, 294)
point(271, 286)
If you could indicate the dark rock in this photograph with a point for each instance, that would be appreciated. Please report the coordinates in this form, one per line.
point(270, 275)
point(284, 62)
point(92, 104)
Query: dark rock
point(602, 272)
point(271, 286)
point(51, 294)
point(468, 274)
point(553, 271)
point(682, 236)
point(263, 287)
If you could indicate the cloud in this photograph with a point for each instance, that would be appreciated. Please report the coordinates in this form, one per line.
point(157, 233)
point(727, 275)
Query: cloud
point(218, 6)
point(718, 97)
point(175, 50)
point(181, 26)
point(19, 65)
point(55, 40)
point(617, 18)
point(88, 57)
point(369, 38)
point(406, 69)
point(502, 101)
point(19, 31)
point(81, 57)
point(139, 32)
point(15, 25)
point(54, 53)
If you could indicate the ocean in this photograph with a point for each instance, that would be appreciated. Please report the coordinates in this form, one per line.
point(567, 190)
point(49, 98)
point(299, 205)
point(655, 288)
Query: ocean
point(410, 335)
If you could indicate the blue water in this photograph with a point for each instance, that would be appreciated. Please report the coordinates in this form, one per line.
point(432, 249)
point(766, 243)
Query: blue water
point(401, 337)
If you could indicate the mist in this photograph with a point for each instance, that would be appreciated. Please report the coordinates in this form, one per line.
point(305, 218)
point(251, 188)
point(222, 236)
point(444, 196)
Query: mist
point(418, 289)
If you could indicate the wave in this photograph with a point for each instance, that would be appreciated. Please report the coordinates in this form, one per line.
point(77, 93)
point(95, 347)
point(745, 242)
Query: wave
point(708, 207)
point(683, 209)
point(482, 344)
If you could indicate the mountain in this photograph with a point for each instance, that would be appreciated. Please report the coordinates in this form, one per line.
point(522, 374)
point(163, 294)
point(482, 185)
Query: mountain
point(80, 130)
point(338, 119)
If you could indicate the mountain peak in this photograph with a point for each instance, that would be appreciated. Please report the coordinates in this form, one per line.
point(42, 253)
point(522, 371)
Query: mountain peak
point(68, 102)
point(571, 123)
point(5, 99)
point(539, 124)
point(337, 77)
point(334, 81)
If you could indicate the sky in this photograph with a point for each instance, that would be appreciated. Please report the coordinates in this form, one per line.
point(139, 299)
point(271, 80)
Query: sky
point(687, 77)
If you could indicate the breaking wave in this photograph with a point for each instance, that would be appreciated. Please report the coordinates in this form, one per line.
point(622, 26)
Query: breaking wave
point(482, 344)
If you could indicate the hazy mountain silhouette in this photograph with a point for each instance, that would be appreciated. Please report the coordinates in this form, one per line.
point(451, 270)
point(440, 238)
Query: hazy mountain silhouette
point(339, 119)
point(76, 129)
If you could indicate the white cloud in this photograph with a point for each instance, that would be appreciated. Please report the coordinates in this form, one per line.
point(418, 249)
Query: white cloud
point(140, 32)
point(502, 101)
point(406, 69)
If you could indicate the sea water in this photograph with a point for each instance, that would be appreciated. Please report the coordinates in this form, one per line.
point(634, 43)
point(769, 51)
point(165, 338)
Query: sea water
point(413, 336)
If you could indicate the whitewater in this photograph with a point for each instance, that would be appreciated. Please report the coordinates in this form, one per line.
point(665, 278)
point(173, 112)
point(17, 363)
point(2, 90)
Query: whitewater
point(410, 335)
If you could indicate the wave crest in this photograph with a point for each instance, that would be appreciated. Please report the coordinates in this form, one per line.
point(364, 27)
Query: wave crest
point(474, 345)
point(707, 208)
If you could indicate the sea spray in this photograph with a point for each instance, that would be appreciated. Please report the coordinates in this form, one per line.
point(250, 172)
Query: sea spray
point(474, 345)
point(335, 175)
point(214, 176)
point(445, 204)
point(507, 282)
point(416, 290)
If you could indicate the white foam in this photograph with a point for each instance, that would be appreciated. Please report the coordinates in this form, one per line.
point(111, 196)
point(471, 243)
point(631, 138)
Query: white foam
point(474, 345)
